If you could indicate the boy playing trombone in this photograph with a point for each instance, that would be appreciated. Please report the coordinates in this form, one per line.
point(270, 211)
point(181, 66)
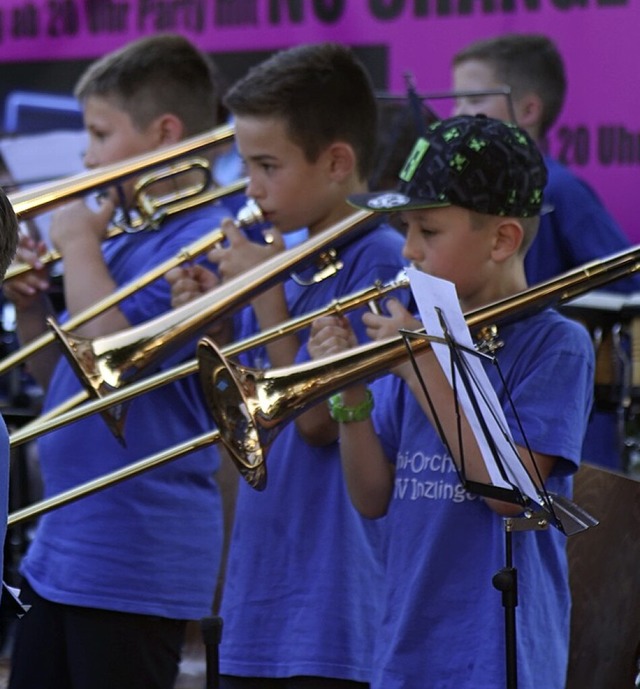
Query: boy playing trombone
point(470, 197)
point(113, 577)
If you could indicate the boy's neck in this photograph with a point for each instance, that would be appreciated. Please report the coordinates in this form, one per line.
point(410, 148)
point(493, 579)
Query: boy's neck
point(534, 133)
point(508, 280)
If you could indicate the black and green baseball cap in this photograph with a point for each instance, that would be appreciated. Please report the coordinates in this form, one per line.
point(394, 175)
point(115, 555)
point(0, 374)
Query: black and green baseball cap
point(472, 161)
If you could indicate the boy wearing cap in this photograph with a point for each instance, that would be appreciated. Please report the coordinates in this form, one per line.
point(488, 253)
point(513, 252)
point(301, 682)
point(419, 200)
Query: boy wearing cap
point(470, 198)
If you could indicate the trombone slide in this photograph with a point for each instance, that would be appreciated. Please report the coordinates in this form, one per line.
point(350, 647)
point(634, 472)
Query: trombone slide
point(191, 251)
point(108, 362)
point(257, 403)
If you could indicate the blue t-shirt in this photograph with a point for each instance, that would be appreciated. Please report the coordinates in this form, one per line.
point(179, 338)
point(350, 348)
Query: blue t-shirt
point(443, 625)
point(304, 577)
point(150, 544)
point(578, 229)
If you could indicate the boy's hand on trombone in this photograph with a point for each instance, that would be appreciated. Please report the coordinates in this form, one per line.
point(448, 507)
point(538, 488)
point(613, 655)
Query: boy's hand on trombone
point(26, 288)
point(330, 335)
point(188, 282)
point(191, 281)
point(382, 326)
point(241, 254)
point(75, 224)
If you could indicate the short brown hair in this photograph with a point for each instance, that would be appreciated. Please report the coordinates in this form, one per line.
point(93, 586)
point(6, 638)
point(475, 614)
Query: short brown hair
point(321, 91)
point(524, 62)
point(156, 75)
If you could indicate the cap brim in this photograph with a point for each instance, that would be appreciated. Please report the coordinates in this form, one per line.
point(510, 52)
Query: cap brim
point(389, 201)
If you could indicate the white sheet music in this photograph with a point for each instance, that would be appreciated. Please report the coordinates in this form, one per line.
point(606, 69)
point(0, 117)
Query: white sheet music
point(433, 293)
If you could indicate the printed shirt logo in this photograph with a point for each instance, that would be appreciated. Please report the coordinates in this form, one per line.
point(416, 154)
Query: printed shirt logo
point(421, 476)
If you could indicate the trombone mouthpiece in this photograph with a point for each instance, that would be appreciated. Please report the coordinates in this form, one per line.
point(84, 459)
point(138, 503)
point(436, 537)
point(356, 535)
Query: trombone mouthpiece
point(250, 214)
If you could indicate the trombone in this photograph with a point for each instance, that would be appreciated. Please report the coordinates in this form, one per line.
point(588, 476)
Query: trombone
point(151, 211)
point(251, 406)
point(337, 306)
point(38, 199)
point(369, 295)
point(200, 246)
point(105, 363)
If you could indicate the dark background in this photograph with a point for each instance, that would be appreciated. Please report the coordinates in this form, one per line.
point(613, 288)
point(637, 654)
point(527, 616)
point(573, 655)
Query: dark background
point(59, 78)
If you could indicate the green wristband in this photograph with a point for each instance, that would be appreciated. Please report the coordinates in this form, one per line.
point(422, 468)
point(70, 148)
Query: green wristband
point(342, 414)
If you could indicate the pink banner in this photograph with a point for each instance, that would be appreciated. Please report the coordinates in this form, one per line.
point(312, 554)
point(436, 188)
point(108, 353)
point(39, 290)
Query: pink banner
point(599, 132)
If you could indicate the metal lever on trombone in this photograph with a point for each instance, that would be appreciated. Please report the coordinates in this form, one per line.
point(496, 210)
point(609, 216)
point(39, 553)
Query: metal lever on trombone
point(328, 265)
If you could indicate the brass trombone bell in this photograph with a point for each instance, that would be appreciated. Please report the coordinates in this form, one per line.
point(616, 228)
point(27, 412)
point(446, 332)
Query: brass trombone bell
point(82, 357)
point(43, 197)
point(337, 306)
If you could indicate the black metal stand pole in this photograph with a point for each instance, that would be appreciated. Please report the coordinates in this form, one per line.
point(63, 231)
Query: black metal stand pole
point(506, 581)
point(211, 629)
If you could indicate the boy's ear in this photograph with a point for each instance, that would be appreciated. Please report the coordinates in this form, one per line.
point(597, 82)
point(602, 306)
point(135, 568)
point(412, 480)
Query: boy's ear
point(170, 129)
point(341, 159)
point(530, 107)
point(507, 240)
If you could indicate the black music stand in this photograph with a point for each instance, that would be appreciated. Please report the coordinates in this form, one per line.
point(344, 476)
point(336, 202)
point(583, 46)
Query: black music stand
point(540, 508)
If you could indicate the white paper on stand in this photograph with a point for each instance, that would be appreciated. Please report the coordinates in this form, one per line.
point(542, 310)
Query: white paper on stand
point(432, 293)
